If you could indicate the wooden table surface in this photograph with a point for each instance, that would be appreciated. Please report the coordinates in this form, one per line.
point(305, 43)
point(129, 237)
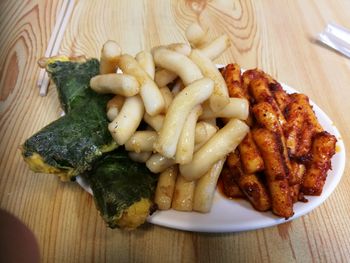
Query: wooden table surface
point(276, 36)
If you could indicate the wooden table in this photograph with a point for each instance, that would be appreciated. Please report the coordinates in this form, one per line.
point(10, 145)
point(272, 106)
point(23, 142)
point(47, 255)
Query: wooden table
point(276, 36)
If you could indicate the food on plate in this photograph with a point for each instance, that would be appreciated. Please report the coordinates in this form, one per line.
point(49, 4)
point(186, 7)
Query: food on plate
point(249, 183)
point(323, 148)
point(227, 184)
point(79, 144)
point(236, 108)
point(163, 77)
point(123, 190)
point(70, 145)
point(113, 83)
point(208, 130)
point(301, 125)
point(168, 97)
point(157, 163)
point(114, 106)
point(267, 118)
point(183, 194)
point(194, 94)
point(219, 99)
point(155, 122)
point(275, 172)
point(233, 78)
point(165, 188)
point(286, 154)
point(178, 63)
point(109, 57)
point(251, 160)
point(215, 48)
point(140, 157)
point(141, 141)
point(185, 145)
point(149, 91)
point(181, 48)
point(216, 148)
point(196, 35)
point(179, 123)
point(205, 188)
point(145, 59)
point(128, 119)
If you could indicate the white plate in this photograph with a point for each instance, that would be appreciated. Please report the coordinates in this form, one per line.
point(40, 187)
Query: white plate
point(238, 215)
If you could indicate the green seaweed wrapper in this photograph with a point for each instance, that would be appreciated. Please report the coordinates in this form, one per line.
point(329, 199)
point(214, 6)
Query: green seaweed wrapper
point(79, 143)
point(70, 145)
point(117, 183)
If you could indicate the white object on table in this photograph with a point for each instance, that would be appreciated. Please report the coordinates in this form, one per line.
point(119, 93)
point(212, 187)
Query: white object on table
point(336, 37)
point(55, 41)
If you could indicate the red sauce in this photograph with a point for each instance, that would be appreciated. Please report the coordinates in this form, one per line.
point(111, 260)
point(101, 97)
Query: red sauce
point(229, 193)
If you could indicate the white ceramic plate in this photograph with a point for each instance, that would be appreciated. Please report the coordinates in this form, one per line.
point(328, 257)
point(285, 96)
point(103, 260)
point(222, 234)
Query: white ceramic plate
point(238, 215)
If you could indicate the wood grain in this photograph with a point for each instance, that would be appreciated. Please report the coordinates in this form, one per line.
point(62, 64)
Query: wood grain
point(277, 36)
